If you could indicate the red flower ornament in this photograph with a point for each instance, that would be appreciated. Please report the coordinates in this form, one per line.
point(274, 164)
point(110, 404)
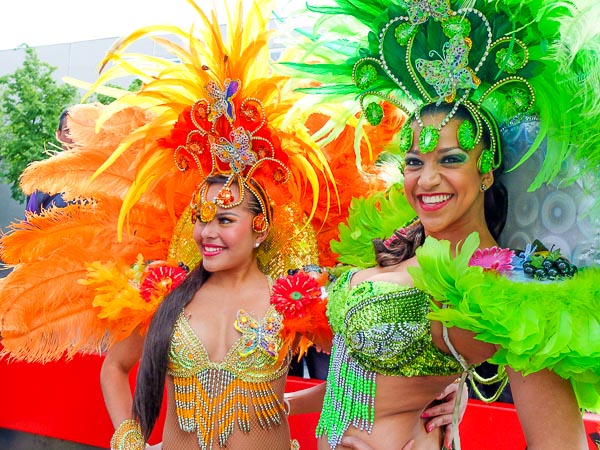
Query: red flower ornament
point(160, 278)
point(295, 294)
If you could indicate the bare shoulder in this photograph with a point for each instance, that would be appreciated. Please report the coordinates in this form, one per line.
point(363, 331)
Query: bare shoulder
point(391, 274)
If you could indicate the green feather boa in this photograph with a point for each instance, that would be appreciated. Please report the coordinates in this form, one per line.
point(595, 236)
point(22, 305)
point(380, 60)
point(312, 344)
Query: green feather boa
point(536, 325)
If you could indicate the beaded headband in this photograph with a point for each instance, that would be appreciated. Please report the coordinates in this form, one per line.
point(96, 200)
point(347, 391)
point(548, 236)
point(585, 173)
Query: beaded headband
point(233, 141)
point(434, 55)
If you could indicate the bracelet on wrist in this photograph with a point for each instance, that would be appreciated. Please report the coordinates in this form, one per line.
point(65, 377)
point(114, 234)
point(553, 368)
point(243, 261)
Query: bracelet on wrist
point(128, 436)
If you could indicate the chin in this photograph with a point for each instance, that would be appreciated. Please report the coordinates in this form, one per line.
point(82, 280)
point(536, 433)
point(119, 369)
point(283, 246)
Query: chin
point(433, 227)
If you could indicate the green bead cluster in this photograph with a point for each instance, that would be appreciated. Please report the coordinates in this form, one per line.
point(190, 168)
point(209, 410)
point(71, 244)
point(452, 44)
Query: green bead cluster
point(485, 162)
point(457, 25)
point(404, 32)
point(466, 135)
point(365, 76)
point(428, 139)
point(406, 137)
point(374, 113)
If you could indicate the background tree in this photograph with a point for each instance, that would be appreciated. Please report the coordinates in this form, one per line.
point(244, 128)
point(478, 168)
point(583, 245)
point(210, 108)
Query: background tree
point(30, 104)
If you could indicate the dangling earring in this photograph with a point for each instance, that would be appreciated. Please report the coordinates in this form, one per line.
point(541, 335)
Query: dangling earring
point(483, 187)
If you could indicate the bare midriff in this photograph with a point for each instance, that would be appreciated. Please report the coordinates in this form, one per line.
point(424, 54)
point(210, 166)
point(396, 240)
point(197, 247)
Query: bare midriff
point(399, 403)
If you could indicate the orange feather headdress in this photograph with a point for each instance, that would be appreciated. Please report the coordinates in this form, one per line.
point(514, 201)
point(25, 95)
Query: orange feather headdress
point(212, 106)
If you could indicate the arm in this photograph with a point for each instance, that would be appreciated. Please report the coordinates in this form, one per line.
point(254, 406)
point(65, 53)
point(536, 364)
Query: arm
point(547, 410)
point(114, 377)
point(307, 400)
point(545, 402)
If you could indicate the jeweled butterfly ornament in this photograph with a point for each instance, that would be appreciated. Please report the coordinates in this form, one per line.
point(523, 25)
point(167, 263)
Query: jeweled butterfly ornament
point(419, 11)
point(222, 99)
point(263, 337)
point(449, 73)
point(237, 152)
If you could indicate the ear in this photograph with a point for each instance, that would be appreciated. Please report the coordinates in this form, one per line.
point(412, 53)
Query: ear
point(260, 237)
point(488, 178)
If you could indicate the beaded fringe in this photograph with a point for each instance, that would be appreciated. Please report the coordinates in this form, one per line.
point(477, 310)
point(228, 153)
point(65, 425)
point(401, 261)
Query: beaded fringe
point(216, 393)
point(349, 397)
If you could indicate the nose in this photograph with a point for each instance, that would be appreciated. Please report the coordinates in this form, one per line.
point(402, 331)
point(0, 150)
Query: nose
point(430, 176)
point(205, 230)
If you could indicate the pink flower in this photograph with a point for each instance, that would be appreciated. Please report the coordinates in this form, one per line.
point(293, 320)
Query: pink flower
point(294, 294)
point(495, 258)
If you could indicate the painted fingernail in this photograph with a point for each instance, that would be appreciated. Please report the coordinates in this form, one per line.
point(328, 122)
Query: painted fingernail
point(424, 415)
point(429, 428)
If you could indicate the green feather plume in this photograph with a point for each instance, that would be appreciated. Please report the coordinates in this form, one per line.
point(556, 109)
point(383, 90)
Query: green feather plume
point(377, 216)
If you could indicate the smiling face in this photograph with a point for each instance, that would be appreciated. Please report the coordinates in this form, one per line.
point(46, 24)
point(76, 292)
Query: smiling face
point(227, 242)
point(444, 185)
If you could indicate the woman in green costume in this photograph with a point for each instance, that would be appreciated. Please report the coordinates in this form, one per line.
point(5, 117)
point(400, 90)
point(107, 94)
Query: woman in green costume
point(389, 360)
point(457, 74)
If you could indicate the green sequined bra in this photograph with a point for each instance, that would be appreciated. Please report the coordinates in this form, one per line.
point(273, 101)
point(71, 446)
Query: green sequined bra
point(379, 328)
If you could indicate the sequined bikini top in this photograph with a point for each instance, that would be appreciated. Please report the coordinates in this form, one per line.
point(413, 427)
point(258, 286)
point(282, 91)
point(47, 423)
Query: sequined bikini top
point(385, 328)
point(255, 356)
point(211, 398)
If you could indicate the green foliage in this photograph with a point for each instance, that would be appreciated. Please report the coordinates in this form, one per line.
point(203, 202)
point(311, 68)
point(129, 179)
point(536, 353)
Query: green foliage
point(30, 104)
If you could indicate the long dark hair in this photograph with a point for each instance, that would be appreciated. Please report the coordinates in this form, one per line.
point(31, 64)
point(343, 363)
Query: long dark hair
point(150, 383)
point(404, 242)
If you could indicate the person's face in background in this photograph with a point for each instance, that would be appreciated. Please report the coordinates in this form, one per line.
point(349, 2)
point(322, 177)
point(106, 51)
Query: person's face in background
point(63, 135)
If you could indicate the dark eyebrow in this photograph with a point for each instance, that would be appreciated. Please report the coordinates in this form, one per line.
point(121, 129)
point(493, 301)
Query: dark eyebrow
point(226, 213)
point(442, 150)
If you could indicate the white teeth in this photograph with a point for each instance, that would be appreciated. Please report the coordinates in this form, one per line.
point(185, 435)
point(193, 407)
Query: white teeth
point(211, 249)
point(432, 199)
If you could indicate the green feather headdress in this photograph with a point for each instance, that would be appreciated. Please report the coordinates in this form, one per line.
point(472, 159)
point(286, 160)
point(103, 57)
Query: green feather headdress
point(511, 59)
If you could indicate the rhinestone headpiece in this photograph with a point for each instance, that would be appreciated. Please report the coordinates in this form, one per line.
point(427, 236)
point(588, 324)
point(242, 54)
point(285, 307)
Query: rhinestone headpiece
point(435, 54)
point(234, 141)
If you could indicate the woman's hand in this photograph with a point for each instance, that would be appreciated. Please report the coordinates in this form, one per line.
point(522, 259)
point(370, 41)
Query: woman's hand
point(440, 414)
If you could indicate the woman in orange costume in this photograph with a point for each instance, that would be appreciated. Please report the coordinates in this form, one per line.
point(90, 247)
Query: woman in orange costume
point(223, 113)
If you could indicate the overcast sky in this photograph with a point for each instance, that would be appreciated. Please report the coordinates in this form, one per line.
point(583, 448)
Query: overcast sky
point(45, 22)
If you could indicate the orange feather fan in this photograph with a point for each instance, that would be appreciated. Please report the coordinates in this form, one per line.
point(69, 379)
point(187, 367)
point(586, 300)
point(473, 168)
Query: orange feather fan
point(70, 287)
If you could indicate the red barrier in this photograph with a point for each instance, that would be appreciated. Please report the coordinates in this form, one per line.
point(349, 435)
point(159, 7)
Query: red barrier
point(63, 400)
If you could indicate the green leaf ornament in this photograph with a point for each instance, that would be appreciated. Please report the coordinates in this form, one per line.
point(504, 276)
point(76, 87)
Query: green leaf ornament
point(485, 161)
point(428, 139)
point(406, 137)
